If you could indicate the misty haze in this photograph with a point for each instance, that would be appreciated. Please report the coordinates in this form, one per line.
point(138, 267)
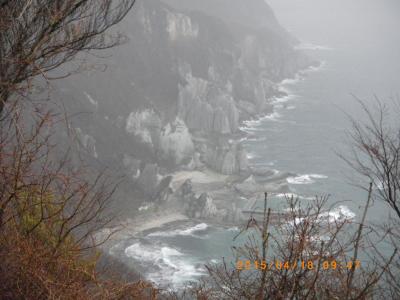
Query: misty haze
point(165, 149)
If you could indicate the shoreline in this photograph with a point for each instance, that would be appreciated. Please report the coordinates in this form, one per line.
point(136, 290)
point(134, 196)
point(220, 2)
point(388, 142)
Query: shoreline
point(222, 188)
point(133, 227)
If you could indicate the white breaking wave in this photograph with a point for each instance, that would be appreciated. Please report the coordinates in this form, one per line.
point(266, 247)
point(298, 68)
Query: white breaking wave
point(283, 99)
point(180, 232)
point(339, 214)
point(150, 254)
point(251, 156)
point(291, 81)
point(311, 46)
point(305, 179)
point(235, 228)
point(250, 129)
point(251, 123)
point(273, 117)
point(256, 139)
point(173, 267)
point(311, 69)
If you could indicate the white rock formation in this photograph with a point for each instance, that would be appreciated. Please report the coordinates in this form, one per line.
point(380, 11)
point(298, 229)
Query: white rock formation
point(180, 25)
point(176, 142)
point(143, 124)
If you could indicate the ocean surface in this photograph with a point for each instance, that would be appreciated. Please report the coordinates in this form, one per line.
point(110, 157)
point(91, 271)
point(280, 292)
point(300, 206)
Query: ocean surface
point(358, 44)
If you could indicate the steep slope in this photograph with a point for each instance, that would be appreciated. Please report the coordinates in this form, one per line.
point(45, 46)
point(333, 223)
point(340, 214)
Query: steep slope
point(176, 93)
point(250, 13)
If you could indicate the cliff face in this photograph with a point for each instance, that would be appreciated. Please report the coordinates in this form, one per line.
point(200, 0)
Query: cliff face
point(253, 13)
point(177, 92)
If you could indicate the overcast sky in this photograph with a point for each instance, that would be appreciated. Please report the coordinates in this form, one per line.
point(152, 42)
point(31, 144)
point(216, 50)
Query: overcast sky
point(331, 20)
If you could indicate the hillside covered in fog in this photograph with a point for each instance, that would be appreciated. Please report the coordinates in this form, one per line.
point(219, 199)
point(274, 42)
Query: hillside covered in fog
point(173, 97)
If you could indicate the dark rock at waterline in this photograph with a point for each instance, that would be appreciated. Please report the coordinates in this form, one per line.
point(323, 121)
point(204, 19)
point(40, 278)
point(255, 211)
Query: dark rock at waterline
point(262, 171)
point(251, 186)
point(148, 179)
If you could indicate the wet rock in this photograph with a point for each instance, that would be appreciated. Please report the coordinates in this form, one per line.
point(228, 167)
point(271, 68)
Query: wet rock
point(132, 165)
point(248, 187)
point(278, 176)
point(251, 186)
point(163, 190)
point(148, 180)
point(262, 171)
point(202, 207)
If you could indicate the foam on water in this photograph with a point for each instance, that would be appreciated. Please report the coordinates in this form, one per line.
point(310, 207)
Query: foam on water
point(249, 129)
point(339, 214)
point(305, 179)
point(312, 69)
point(172, 267)
point(181, 232)
point(311, 46)
point(235, 228)
point(150, 254)
point(272, 117)
point(251, 123)
point(292, 81)
point(251, 156)
point(256, 139)
point(283, 99)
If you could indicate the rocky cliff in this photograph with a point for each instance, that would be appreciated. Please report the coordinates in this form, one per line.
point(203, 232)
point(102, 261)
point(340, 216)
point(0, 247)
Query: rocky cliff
point(174, 95)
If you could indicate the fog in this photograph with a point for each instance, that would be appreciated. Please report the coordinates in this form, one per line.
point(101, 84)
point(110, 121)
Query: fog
point(212, 103)
point(341, 21)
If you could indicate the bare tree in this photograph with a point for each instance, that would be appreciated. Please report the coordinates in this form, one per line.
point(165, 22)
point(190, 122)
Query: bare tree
point(375, 149)
point(50, 214)
point(50, 210)
point(38, 36)
point(375, 155)
point(303, 255)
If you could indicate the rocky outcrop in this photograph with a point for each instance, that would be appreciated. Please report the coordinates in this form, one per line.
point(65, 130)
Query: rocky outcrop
point(227, 157)
point(132, 166)
point(205, 107)
point(181, 26)
point(202, 207)
point(250, 13)
point(251, 186)
point(145, 125)
point(148, 180)
point(174, 97)
point(176, 142)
